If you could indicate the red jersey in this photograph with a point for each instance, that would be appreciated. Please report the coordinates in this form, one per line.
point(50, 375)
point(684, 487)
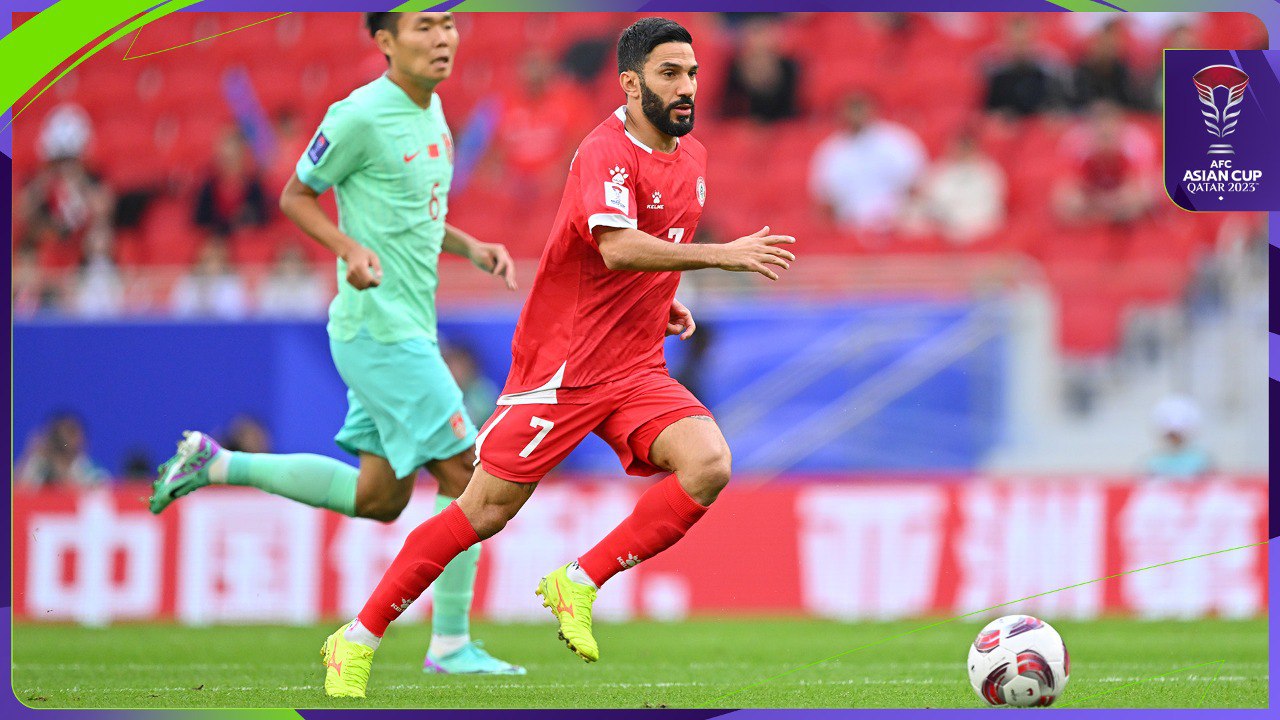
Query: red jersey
point(585, 324)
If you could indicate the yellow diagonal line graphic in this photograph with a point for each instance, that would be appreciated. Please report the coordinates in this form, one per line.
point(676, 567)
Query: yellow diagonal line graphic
point(127, 56)
point(121, 31)
point(968, 614)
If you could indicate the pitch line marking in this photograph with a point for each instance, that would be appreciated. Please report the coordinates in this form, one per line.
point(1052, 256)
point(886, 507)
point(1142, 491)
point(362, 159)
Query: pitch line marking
point(939, 623)
point(208, 688)
point(306, 665)
point(1154, 677)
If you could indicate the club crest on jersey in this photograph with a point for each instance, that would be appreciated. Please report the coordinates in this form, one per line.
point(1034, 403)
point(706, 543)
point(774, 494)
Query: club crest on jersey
point(702, 191)
point(318, 146)
point(657, 202)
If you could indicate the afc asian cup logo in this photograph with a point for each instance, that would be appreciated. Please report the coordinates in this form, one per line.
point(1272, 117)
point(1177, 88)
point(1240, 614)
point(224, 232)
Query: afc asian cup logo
point(1220, 117)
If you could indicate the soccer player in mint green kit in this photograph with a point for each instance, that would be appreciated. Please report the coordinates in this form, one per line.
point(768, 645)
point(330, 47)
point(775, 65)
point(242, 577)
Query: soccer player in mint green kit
point(388, 154)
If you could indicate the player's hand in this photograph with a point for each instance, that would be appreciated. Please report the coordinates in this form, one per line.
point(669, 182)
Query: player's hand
point(364, 270)
point(494, 259)
point(680, 322)
point(758, 253)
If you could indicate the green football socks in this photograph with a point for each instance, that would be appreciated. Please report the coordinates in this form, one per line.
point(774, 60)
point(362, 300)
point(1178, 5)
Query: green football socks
point(323, 482)
point(451, 593)
point(314, 480)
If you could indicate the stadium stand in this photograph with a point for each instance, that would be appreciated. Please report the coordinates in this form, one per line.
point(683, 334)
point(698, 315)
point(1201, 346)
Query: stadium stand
point(157, 120)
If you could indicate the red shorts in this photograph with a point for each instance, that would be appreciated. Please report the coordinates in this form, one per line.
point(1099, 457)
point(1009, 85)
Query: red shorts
point(522, 443)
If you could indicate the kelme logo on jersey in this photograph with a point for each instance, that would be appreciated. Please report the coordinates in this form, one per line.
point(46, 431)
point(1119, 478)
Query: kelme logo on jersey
point(702, 191)
point(1221, 115)
point(318, 146)
point(629, 561)
point(657, 202)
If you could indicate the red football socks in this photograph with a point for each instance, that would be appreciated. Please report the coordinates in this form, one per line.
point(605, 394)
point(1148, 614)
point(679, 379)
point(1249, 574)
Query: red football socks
point(664, 513)
point(426, 551)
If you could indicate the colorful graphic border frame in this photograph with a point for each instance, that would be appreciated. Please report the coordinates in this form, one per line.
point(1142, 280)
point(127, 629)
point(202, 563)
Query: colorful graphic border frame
point(70, 26)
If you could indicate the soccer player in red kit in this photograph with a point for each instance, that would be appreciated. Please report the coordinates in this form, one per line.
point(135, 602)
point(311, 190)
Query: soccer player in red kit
point(588, 357)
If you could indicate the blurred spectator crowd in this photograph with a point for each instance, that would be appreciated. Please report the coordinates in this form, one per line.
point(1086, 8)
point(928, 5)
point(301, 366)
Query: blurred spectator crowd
point(148, 186)
point(59, 452)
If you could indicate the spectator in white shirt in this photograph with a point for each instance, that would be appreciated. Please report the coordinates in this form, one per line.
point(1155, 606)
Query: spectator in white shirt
point(100, 287)
point(293, 289)
point(862, 175)
point(962, 196)
point(212, 288)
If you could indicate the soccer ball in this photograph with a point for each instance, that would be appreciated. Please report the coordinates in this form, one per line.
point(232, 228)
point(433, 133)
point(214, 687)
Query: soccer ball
point(1019, 660)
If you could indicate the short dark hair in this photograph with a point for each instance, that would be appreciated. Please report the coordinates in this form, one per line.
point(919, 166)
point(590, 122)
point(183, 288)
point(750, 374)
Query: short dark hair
point(388, 21)
point(381, 21)
point(637, 41)
point(64, 414)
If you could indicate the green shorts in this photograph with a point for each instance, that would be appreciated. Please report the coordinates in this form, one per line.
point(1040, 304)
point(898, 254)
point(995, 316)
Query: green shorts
point(403, 404)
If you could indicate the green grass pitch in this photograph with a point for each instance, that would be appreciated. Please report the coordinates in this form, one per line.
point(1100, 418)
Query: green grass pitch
point(1114, 663)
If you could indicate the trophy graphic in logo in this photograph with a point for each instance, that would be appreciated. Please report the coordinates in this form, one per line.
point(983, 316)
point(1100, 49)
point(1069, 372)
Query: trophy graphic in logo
point(1220, 118)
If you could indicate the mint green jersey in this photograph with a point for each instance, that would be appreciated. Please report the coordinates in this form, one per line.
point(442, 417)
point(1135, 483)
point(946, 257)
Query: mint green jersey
point(390, 164)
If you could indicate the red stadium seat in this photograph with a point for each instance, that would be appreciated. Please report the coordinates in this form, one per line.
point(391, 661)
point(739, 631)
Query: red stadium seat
point(1089, 322)
point(130, 248)
point(244, 38)
point(1233, 30)
point(107, 88)
point(1153, 280)
point(166, 127)
point(190, 89)
point(1095, 245)
point(1173, 239)
point(173, 29)
point(938, 126)
point(278, 87)
point(254, 246)
point(169, 234)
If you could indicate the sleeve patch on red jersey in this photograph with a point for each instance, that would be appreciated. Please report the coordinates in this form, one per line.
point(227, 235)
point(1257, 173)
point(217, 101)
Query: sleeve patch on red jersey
point(618, 197)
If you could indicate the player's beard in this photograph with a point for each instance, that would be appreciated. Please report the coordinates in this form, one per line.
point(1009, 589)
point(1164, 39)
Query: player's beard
point(660, 114)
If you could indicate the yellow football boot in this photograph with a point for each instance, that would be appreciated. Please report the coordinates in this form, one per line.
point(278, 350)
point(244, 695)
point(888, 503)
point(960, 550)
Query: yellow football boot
point(346, 666)
point(571, 603)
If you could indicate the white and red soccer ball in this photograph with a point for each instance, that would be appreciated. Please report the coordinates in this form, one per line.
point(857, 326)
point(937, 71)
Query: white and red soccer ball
point(1019, 660)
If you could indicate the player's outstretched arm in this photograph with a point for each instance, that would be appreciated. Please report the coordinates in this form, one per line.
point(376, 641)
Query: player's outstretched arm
point(630, 249)
point(492, 258)
point(301, 204)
